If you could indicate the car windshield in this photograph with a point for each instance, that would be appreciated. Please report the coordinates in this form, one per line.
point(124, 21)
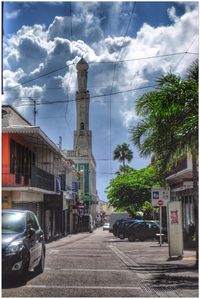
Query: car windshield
point(13, 223)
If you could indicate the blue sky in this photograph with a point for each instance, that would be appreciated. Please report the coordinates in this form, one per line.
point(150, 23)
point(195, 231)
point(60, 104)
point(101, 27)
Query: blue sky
point(128, 45)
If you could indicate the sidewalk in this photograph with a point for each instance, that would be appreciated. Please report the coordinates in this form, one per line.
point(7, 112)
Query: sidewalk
point(164, 274)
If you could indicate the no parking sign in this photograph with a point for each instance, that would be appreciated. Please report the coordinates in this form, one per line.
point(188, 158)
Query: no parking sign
point(160, 196)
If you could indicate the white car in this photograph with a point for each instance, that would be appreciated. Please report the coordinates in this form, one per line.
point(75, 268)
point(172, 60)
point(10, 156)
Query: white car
point(106, 226)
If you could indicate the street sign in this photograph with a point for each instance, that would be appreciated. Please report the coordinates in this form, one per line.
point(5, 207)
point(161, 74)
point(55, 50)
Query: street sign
point(160, 196)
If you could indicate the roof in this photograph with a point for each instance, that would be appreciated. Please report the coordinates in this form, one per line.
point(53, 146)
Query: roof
point(34, 135)
point(21, 116)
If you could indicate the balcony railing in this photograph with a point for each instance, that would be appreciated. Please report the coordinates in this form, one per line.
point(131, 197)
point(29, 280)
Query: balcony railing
point(42, 179)
point(36, 177)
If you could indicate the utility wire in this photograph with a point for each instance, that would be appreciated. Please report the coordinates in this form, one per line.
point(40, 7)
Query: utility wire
point(186, 52)
point(105, 62)
point(113, 80)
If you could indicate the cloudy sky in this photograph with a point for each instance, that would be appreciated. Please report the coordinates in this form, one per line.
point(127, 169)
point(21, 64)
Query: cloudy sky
point(127, 45)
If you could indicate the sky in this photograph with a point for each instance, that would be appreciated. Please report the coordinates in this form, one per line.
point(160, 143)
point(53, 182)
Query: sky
point(128, 46)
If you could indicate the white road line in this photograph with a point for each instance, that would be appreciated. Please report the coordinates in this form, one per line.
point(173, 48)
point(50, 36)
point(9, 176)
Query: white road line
point(82, 287)
point(87, 270)
point(83, 254)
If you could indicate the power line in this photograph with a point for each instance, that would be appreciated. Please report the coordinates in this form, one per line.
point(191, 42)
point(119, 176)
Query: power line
point(92, 97)
point(114, 72)
point(185, 52)
point(98, 62)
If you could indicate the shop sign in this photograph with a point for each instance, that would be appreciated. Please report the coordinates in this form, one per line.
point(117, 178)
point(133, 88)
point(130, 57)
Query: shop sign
point(75, 186)
point(86, 197)
point(65, 203)
point(52, 201)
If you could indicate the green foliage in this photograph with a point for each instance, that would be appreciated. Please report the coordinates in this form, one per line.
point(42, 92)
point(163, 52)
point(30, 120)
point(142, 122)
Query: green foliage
point(123, 153)
point(130, 190)
point(149, 211)
point(168, 125)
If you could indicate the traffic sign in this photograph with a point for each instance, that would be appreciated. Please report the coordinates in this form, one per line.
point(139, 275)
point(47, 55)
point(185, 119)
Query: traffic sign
point(160, 196)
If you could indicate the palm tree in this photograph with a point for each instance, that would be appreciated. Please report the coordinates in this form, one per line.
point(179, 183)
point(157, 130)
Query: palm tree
point(123, 153)
point(168, 125)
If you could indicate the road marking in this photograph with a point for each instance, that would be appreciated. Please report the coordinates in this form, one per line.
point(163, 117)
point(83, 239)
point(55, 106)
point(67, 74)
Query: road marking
point(82, 287)
point(87, 270)
point(83, 254)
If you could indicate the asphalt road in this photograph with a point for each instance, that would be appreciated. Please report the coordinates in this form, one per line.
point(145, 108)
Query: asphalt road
point(90, 265)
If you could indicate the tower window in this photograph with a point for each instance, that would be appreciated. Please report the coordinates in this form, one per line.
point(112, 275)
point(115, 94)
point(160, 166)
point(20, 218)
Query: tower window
point(82, 126)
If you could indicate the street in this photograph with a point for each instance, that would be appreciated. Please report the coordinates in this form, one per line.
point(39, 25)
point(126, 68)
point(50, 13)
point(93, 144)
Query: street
point(99, 265)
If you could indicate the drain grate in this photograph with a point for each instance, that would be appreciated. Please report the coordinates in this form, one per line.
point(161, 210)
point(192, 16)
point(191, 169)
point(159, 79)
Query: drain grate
point(148, 288)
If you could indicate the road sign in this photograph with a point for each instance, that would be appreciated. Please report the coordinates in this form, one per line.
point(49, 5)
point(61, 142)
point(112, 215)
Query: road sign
point(160, 194)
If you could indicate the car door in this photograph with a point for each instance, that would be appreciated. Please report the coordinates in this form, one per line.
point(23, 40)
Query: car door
point(152, 229)
point(35, 241)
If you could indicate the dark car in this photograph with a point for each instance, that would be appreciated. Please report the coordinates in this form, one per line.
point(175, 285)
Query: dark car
point(143, 231)
point(116, 225)
point(122, 231)
point(23, 247)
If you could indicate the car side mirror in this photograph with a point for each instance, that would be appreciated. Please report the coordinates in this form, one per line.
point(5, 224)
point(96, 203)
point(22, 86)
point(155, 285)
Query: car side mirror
point(30, 232)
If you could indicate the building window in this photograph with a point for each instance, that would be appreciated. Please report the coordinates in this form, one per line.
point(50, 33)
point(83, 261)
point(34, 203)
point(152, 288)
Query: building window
point(12, 156)
point(82, 126)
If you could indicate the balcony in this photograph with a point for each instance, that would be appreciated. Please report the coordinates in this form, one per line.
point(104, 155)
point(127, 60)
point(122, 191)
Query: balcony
point(42, 179)
point(181, 171)
point(36, 178)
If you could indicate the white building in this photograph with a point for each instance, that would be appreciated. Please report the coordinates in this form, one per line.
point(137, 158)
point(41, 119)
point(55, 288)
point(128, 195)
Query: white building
point(82, 151)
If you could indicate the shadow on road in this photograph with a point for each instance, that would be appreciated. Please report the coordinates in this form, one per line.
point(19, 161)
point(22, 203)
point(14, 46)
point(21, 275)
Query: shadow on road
point(10, 282)
point(167, 276)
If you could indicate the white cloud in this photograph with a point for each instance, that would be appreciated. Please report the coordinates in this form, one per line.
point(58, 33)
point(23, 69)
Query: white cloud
point(36, 50)
point(172, 14)
point(13, 14)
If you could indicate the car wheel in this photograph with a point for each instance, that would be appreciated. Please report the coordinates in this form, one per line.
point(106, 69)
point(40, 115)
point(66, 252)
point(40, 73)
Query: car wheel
point(121, 236)
point(40, 267)
point(131, 238)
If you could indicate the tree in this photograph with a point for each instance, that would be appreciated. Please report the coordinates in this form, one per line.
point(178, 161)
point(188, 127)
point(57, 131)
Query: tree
point(168, 125)
point(125, 169)
point(129, 191)
point(123, 153)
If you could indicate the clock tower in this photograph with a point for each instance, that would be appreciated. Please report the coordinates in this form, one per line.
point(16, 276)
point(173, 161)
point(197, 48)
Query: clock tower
point(82, 135)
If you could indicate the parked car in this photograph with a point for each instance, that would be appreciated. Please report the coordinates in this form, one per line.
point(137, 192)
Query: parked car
point(117, 216)
point(23, 246)
point(143, 230)
point(116, 225)
point(122, 231)
point(106, 226)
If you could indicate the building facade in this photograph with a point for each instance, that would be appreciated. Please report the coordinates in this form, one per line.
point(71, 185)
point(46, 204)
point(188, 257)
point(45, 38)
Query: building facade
point(35, 175)
point(180, 180)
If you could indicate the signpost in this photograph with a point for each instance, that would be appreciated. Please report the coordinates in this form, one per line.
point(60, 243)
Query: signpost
point(160, 198)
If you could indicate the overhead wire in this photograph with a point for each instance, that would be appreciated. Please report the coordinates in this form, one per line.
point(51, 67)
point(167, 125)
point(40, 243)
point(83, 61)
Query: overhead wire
point(97, 62)
point(114, 72)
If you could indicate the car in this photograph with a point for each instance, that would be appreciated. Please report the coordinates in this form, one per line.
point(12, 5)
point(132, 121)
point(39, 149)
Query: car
point(116, 225)
point(106, 226)
point(23, 245)
point(143, 230)
point(123, 227)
